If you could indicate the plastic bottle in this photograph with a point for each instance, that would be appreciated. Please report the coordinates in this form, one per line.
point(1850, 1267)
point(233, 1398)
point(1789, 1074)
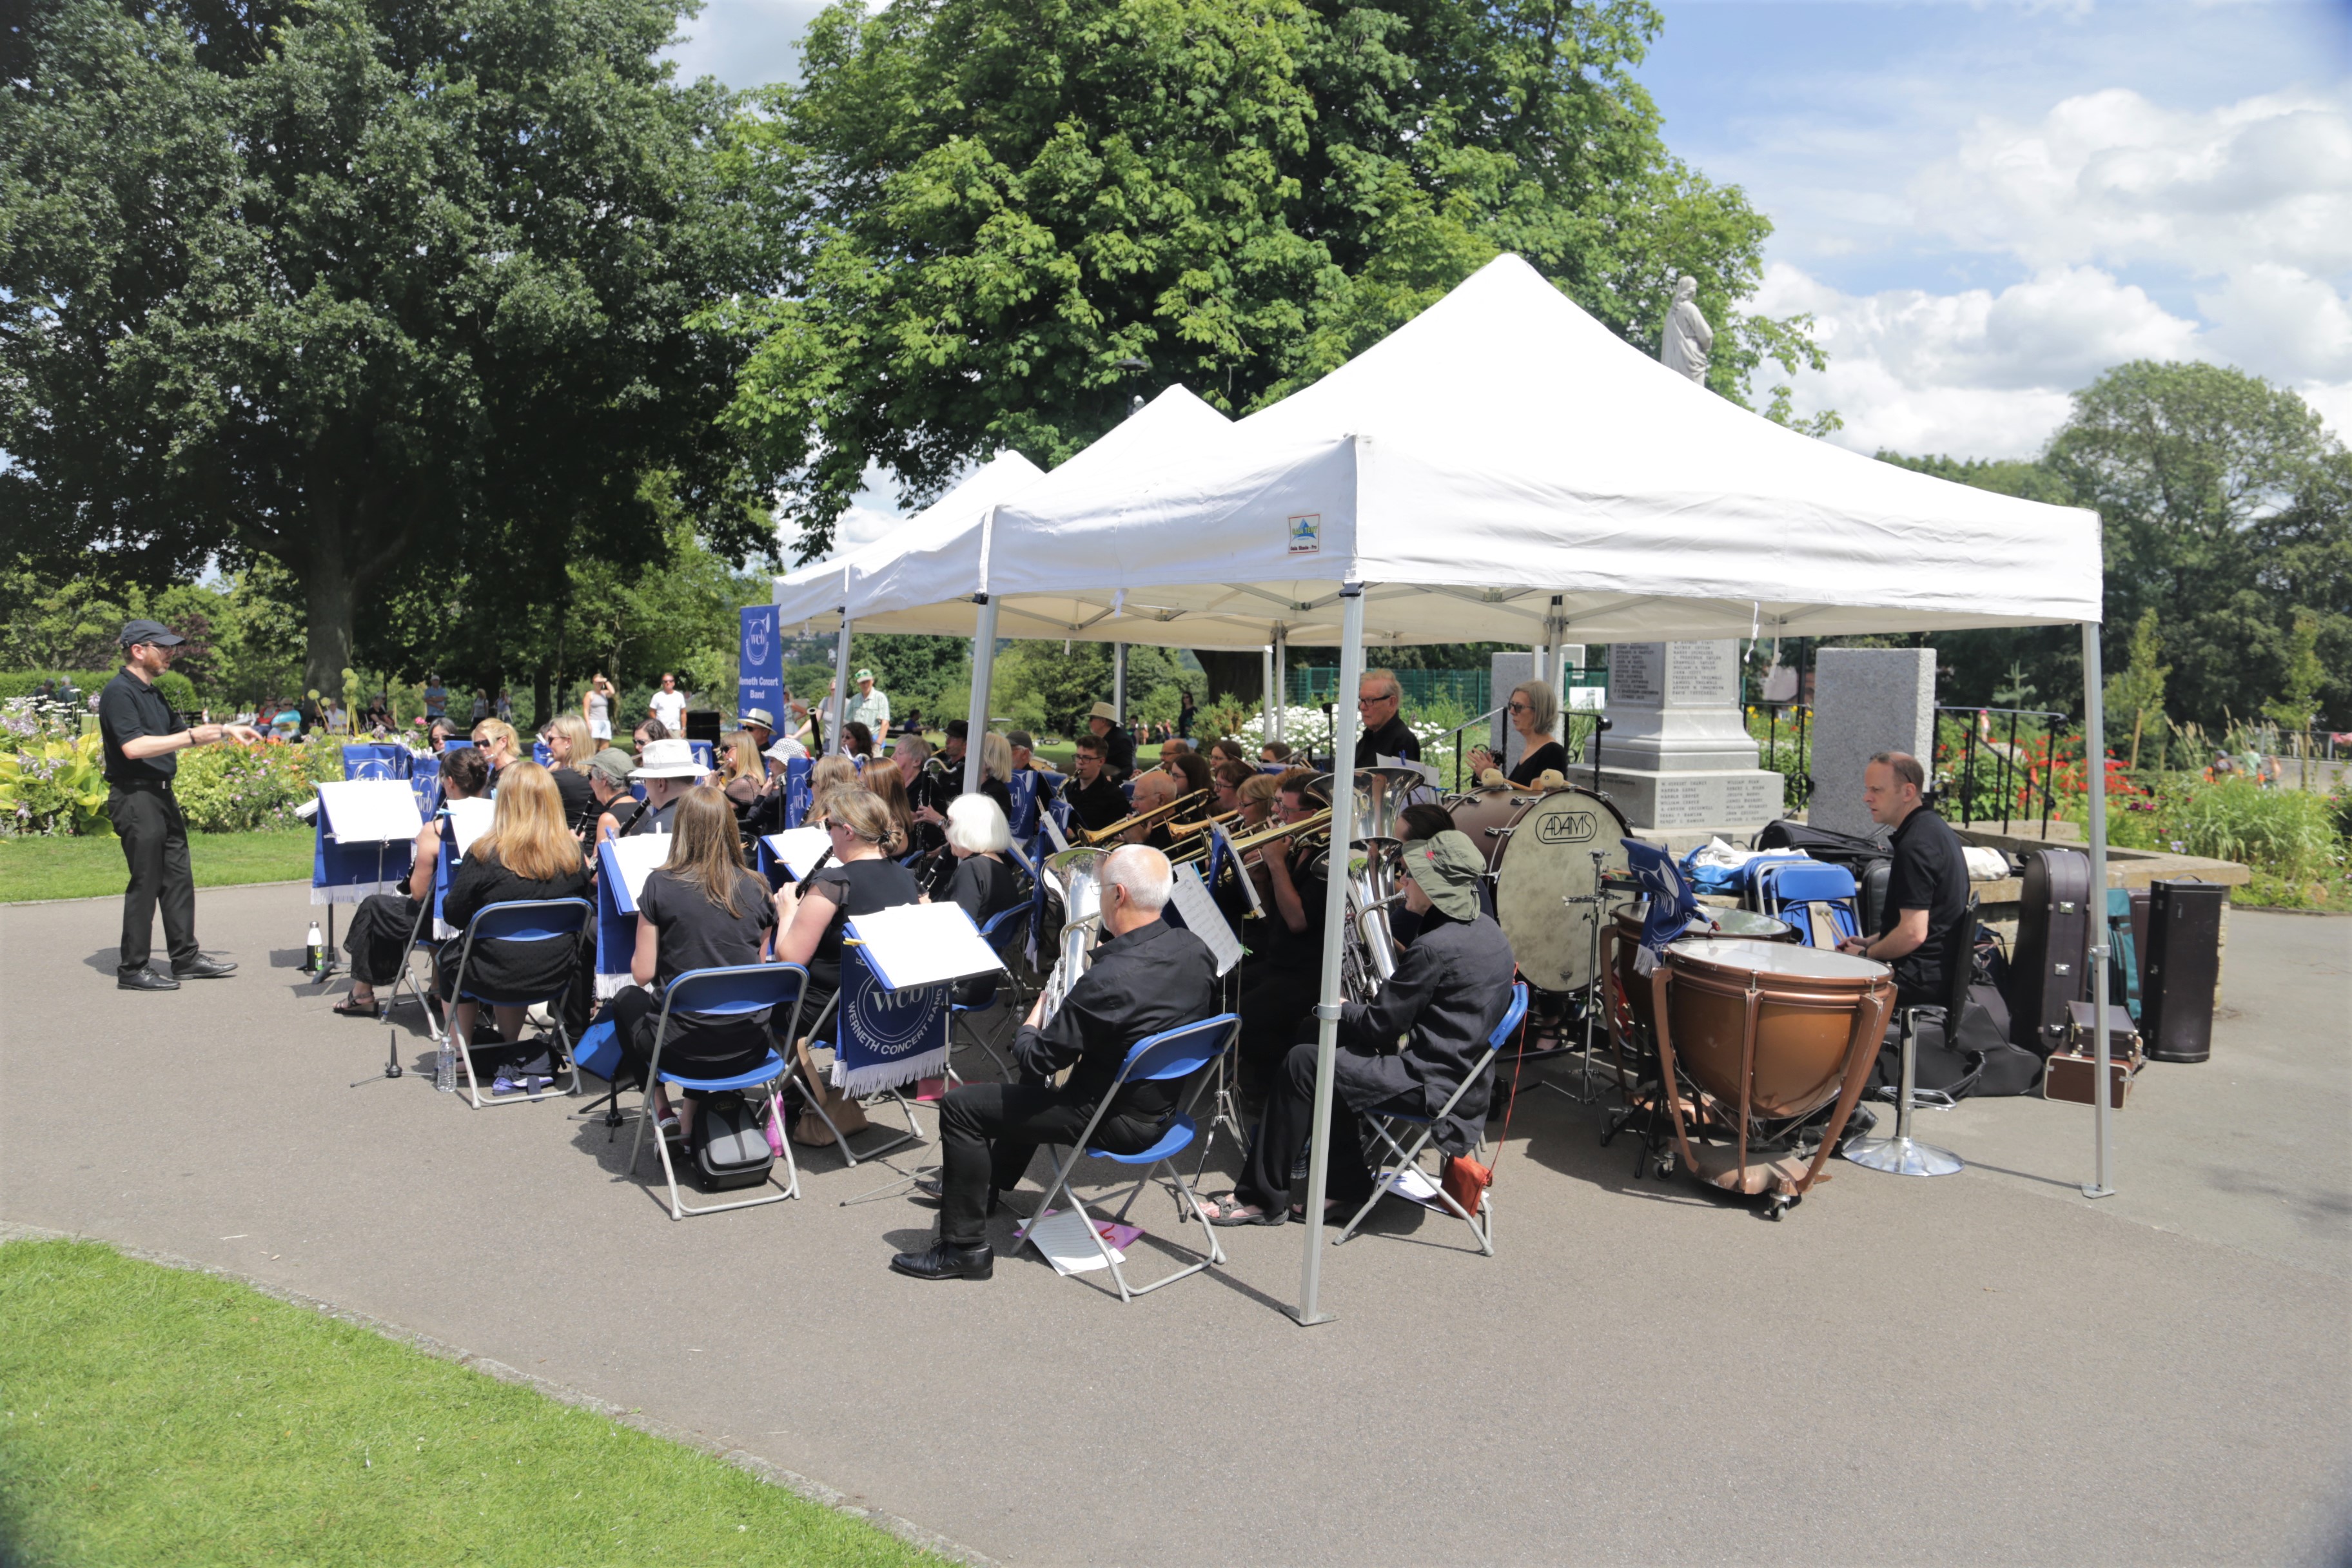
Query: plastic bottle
point(314, 951)
point(445, 1064)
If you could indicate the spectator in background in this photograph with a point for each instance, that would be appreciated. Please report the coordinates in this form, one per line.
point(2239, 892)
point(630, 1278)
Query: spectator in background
point(870, 707)
point(436, 699)
point(1186, 713)
point(287, 723)
point(668, 705)
point(597, 705)
point(504, 709)
point(482, 705)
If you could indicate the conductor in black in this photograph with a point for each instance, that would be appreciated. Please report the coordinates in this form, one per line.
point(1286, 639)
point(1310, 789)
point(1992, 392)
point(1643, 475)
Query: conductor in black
point(141, 736)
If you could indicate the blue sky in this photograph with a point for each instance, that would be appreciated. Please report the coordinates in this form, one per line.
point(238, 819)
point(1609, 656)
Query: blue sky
point(1982, 204)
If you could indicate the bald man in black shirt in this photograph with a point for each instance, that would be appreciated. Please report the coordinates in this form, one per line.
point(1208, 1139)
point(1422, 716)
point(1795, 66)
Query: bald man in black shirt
point(1926, 885)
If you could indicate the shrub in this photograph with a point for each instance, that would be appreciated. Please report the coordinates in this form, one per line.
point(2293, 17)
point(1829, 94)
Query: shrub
point(235, 789)
point(53, 784)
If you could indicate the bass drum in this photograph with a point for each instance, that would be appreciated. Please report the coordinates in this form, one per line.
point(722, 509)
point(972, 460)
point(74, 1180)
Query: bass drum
point(1543, 854)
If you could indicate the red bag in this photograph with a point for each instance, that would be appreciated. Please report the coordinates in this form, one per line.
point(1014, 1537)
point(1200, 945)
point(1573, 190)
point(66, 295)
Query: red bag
point(1465, 1181)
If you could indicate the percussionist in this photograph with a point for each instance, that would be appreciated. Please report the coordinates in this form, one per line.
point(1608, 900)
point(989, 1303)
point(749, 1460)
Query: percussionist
point(1927, 885)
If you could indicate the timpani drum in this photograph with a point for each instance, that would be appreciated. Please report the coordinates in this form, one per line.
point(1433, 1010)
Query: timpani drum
point(1539, 849)
point(1769, 1033)
point(1629, 918)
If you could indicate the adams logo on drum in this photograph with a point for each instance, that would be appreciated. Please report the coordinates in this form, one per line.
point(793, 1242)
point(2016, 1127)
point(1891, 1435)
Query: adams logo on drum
point(1567, 827)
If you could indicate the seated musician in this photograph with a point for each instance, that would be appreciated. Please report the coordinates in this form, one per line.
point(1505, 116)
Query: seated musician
point(1146, 976)
point(702, 908)
point(568, 749)
point(666, 769)
point(646, 732)
point(858, 740)
point(380, 926)
point(1152, 791)
point(1024, 756)
point(1252, 794)
point(744, 779)
point(1174, 747)
point(1277, 751)
point(1093, 795)
point(1452, 986)
point(1285, 978)
point(1926, 885)
point(500, 747)
point(860, 877)
point(608, 780)
point(985, 882)
point(1380, 703)
point(527, 854)
point(1226, 782)
point(1118, 745)
point(1191, 771)
point(1534, 711)
point(1227, 750)
point(954, 741)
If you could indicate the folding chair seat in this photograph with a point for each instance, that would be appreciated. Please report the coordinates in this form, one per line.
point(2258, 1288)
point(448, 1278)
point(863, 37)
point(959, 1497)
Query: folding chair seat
point(1819, 899)
point(1171, 1055)
point(536, 921)
point(1386, 1124)
point(734, 993)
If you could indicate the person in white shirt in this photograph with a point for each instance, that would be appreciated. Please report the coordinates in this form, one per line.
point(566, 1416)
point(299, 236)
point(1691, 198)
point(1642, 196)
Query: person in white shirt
point(870, 707)
point(669, 704)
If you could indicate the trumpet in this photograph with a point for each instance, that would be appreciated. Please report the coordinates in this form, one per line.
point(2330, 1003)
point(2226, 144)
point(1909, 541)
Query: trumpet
point(1152, 818)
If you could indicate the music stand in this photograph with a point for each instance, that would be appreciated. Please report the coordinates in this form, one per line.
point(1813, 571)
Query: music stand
point(356, 817)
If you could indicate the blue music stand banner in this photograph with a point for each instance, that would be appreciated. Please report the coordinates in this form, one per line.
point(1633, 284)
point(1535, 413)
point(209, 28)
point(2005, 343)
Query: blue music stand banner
point(760, 677)
point(705, 752)
point(541, 754)
point(798, 795)
point(375, 761)
point(347, 873)
point(885, 1039)
point(1022, 787)
point(616, 924)
point(425, 778)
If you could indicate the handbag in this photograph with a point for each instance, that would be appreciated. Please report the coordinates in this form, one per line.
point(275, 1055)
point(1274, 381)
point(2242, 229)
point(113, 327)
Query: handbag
point(1465, 1181)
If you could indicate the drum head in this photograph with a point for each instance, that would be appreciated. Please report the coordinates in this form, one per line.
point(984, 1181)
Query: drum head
point(1777, 958)
point(1481, 817)
point(1748, 923)
point(1547, 857)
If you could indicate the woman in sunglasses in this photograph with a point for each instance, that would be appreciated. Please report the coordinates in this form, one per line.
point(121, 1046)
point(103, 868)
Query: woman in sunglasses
point(1534, 712)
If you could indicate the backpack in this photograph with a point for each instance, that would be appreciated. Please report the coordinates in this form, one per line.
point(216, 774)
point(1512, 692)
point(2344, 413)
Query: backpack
point(730, 1143)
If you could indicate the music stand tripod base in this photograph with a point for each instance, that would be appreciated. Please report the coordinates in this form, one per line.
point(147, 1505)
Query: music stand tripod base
point(1903, 1157)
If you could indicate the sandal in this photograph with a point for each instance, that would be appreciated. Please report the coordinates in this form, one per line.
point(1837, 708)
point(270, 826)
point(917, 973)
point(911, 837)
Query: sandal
point(346, 1008)
point(1227, 1209)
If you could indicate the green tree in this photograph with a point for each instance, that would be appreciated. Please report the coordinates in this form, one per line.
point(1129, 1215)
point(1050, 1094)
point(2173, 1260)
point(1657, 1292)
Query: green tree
point(1007, 216)
point(372, 289)
point(2297, 704)
point(2137, 691)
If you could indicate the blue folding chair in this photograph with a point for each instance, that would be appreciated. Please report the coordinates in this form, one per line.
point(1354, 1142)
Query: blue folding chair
point(1815, 897)
point(1173, 1053)
point(532, 920)
point(1386, 1124)
point(737, 993)
point(1005, 925)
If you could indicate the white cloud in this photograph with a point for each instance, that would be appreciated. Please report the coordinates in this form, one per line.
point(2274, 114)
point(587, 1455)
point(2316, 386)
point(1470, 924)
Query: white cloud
point(2280, 322)
point(2110, 178)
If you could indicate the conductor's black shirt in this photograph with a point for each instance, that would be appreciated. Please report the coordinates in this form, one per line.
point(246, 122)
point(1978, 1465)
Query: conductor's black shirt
point(1928, 873)
point(128, 708)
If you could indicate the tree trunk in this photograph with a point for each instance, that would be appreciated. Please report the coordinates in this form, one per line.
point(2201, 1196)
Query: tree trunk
point(1232, 674)
point(542, 684)
point(330, 600)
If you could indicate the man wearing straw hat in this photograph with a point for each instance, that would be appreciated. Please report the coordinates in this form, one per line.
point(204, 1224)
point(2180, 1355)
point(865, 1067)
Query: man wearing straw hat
point(1119, 746)
point(667, 768)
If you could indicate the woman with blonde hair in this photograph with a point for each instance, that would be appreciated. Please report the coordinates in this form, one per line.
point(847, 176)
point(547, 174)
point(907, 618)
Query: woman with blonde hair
point(527, 854)
point(831, 769)
point(743, 779)
point(890, 785)
point(569, 747)
point(860, 878)
point(1534, 711)
point(500, 747)
point(700, 910)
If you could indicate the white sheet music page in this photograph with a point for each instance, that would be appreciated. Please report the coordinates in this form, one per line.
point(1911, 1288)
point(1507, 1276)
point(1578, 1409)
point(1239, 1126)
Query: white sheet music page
point(635, 858)
point(923, 945)
point(1054, 833)
point(1191, 895)
point(468, 820)
point(800, 848)
point(369, 811)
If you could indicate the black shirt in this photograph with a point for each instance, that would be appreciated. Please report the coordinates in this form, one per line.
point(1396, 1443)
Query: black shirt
point(983, 887)
point(1098, 804)
point(854, 888)
point(1156, 978)
point(579, 799)
point(1118, 753)
point(1281, 947)
point(533, 970)
point(1548, 755)
point(693, 933)
point(127, 709)
point(1928, 873)
point(1393, 739)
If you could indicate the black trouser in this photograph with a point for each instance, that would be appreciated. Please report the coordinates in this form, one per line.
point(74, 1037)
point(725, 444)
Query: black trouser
point(155, 842)
point(1014, 1118)
point(1272, 1003)
point(635, 1015)
point(1282, 1133)
point(378, 940)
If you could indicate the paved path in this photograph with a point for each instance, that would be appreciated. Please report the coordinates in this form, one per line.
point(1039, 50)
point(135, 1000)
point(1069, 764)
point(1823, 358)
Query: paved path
point(1984, 1369)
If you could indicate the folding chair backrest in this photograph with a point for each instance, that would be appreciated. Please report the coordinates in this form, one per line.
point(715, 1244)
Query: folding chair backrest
point(1500, 1035)
point(735, 992)
point(1179, 1052)
point(535, 919)
point(1806, 881)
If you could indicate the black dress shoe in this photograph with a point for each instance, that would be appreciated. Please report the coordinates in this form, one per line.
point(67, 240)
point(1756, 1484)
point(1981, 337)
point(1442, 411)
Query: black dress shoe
point(204, 969)
point(144, 980)
point(945, 1262)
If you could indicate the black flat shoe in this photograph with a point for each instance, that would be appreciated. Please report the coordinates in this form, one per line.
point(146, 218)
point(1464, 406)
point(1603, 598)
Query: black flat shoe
point(944, 1262)
point(205, 969)
point(145, 980)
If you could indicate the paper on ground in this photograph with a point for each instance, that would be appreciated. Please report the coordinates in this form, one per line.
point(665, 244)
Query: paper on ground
point(1062, 1237)
point(370, 811)
point(800, 848)
point(1413, 1182)
point(923, 945)
point(1203, 918)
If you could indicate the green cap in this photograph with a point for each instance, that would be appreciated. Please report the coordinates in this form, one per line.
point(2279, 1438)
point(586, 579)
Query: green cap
point(1447, 865)
point(613, 764)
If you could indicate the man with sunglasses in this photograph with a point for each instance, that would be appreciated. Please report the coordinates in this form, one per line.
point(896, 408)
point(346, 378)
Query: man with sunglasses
point(1378, 703)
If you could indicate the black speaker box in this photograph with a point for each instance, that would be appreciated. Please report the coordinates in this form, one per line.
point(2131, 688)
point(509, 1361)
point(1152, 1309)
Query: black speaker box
point(702, 724)
point(2181, 970)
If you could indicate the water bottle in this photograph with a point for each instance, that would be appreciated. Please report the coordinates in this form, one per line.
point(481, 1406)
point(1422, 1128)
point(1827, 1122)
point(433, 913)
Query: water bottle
point(314, 952)
point(445, 1067)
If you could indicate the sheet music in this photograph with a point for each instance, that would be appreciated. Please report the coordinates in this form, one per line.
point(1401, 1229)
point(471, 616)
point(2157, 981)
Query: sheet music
point(370, 811)
point(1201, 916)
point(923, 945)
point(1062, 1236)
point(634, 859)
point(1053, 832)
point(799, 849)
point(468, 820)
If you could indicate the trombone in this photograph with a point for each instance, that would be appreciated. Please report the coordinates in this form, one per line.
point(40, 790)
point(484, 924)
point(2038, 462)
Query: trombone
point(1152, 818)
point(1319, 823)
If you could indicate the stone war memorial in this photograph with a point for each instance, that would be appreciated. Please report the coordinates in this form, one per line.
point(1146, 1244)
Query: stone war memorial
point(1676, 758)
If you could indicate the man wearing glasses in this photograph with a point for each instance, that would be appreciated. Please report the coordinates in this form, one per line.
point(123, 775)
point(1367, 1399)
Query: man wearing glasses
point(1385, 734)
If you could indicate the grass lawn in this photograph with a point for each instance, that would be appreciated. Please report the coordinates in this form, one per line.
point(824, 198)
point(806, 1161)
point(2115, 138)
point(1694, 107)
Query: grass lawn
point(92, 867)
point(152, 1415)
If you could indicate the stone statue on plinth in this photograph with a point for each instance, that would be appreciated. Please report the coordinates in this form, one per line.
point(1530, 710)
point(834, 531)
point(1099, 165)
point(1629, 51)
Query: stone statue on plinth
point(1685, 343)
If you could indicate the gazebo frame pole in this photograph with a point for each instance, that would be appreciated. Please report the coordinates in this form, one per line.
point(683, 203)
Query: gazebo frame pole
point(1335, 926)
point(983, 672)
point(1281, 683)
point(2095, 764)
point(839, 738)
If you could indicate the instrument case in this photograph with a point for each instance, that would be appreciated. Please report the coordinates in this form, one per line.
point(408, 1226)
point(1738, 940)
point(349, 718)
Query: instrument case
point(2053, 942)
point(2180, 969)
point(2074, 1069)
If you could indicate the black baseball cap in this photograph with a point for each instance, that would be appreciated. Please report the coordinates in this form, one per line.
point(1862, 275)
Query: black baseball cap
point(155, 632)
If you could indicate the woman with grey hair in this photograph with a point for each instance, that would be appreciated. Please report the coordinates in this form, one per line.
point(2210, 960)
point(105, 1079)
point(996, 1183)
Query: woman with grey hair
point(1534, 712)
point(985, 883)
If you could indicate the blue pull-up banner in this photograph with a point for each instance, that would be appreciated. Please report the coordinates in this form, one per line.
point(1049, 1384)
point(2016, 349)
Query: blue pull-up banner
point(760, 676)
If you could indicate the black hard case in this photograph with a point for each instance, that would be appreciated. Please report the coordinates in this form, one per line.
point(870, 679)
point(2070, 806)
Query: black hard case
point(2048, 968)
point(2181, 969)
